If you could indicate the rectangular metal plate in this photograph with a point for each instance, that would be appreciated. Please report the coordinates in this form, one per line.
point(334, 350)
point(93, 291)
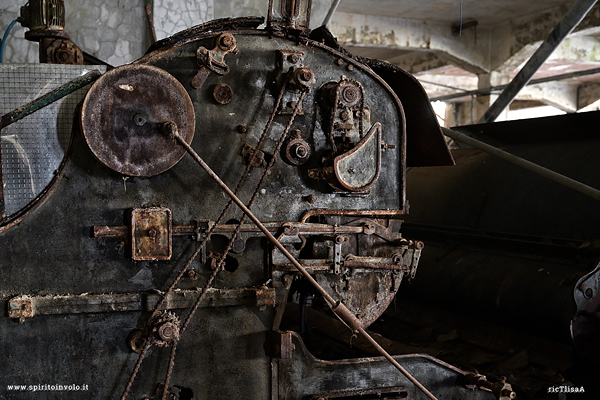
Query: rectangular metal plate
point(151, 234)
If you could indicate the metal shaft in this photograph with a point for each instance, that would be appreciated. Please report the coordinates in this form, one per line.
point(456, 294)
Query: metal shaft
point(331, 11)
point(556, 37)
point(339, 308)
point(49, 98)
point(463, 93)
point(528, 165)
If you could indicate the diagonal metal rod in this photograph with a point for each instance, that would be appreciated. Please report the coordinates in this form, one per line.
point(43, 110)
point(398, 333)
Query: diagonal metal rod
point(336, 306)
point(485, 91)
point(48, 98)
point(331, 11)
point(528, 165)
point(558, 34)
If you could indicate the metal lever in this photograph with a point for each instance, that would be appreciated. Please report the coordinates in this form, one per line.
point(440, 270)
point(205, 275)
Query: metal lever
point(337, 307)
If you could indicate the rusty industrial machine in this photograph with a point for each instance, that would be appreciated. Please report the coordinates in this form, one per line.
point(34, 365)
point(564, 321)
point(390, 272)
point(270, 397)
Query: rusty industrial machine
point(201, 183)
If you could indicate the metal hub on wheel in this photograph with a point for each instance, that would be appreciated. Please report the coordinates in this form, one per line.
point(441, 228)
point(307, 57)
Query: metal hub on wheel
point(123, 114)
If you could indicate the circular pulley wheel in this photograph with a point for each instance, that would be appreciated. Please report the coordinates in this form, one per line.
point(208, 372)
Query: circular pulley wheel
point(123, 115)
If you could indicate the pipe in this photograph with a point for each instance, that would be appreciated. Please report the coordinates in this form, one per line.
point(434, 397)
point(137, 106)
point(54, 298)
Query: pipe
point(336, 306)
point(6, 37)
point(556, 37)
point(331, 11)
point(528, 165)
point(489, 90)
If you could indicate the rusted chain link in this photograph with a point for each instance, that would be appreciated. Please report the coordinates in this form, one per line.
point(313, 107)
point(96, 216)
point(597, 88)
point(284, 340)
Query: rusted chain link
point(336, 306)
point(233, 236)
point(202, 245)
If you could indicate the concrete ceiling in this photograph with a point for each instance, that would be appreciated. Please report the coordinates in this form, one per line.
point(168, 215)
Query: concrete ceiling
point(497, 38)
point(487, 12)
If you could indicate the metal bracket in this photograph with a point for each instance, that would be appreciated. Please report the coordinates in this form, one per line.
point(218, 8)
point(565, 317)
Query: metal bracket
point(337, 254)
point(151, 234)
point(213, 60)
point(20, 307)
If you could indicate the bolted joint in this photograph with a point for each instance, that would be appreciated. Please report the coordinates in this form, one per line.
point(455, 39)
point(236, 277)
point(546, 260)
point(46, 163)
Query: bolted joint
point(168, 331)
point(226, 42)
point(304, 78)
point(169, 128)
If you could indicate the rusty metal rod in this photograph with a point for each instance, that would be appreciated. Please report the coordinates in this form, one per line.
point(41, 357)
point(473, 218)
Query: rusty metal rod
point(336, 306)
point(49, 98)
point(528, 165)
point(150, 22)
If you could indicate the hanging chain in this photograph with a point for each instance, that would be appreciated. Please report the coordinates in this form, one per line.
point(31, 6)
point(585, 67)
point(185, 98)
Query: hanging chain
point(231, 240)
point(148, 343)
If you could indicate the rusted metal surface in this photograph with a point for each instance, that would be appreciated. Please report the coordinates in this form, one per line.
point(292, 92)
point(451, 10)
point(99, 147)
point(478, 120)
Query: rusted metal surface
point(29, 306)
point(122, 116)
point(289, 14)
point(362, 213)
point(148, 9)
point(20, 307)
point(151, 234)
point(359, 168)
point(297, 151)
point(60, 51)
point(163, 329)
point(44, 18)
point(249, 229)
point(214, 61)
point(336, 305)
point(222, 93)
point(425, 144)
point(271, 103)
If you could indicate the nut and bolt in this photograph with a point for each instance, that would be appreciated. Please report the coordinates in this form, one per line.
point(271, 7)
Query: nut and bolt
point(226, 41)
point(192, 274)
point(368, 229)
point(340, 239)
point(238, 246)
point(299, 150)
point(306, 76)
point(293, 58)
point(152, 232)
point(168, 331)
point(242, 128)
point(169, 128)
point(339, 62)
point(344, 116)
point(222, 93)
point(350, 67)
point(350, 94)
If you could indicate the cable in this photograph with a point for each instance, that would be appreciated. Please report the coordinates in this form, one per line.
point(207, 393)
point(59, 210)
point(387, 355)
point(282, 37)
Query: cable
point(461, 16)
point(5, 37)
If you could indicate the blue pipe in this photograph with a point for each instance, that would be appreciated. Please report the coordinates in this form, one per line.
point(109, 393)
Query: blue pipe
point(4, 39)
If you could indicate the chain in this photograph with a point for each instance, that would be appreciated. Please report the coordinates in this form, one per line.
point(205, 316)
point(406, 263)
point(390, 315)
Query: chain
point(232, 239)
point(208, 234)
